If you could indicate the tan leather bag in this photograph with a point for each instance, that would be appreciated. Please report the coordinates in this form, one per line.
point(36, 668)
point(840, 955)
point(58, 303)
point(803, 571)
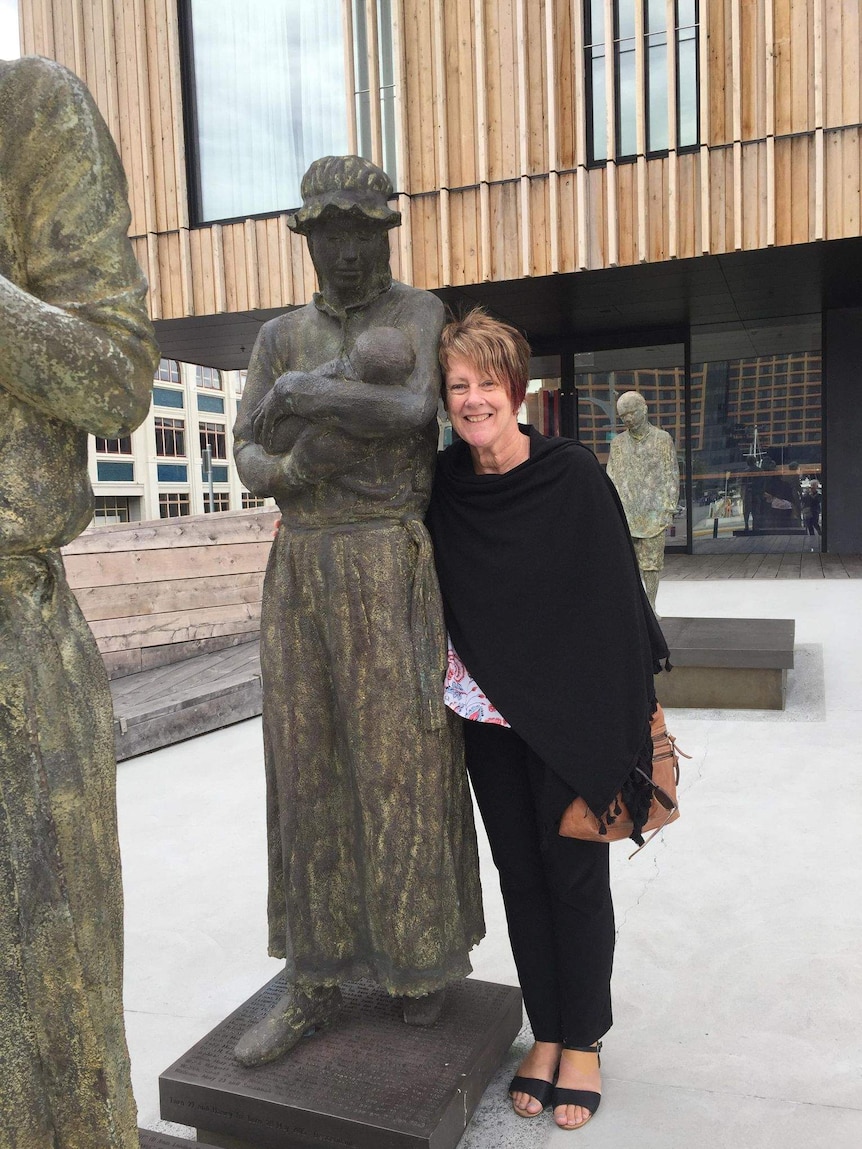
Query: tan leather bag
point(578, 820)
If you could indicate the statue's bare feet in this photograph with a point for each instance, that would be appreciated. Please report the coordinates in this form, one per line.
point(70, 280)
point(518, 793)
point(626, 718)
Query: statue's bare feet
point(295, 1013)
point(424, 1010)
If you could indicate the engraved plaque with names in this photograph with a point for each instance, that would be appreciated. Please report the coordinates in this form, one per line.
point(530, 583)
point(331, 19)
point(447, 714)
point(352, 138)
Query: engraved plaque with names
point(368, 1082)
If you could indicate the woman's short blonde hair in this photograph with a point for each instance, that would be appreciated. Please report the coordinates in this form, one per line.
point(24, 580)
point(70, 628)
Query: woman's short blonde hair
point(492, 347)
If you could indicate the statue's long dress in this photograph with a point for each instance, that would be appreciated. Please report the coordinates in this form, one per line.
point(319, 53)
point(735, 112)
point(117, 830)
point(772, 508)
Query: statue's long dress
point(372, 847)
point(78, 357)
point(65, 1075)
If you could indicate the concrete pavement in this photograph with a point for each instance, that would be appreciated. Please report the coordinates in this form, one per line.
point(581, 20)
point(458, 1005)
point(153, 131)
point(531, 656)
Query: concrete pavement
point(737, 979)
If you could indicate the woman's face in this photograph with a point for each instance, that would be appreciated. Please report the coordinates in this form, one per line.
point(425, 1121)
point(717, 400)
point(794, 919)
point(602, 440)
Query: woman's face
point(479, 407)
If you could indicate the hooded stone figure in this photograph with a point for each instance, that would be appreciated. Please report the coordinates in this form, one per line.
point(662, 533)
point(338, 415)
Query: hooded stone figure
point(372, 854)
point(77, 355)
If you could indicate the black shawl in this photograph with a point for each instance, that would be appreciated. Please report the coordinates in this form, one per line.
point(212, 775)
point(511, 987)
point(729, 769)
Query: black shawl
point(544, 604)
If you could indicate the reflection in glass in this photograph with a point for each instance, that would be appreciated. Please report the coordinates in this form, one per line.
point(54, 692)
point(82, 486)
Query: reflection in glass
point(387, 87)
point(265, 99)
point(625, 19)
point(754, 451)
point(656, 16)
point(599, 106)
point(686, 64)
point(686, 12)
point(626, 99)
point(594, 51)
point(657, 122)
point(362, 79)
point(626, 79)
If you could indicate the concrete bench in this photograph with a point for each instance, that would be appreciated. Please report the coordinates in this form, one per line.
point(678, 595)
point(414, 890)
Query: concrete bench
point(727, 663)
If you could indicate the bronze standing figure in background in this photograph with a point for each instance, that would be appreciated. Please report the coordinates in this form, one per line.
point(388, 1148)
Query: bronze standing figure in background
point(76, 355)
point(643, 467)
point(373, 867)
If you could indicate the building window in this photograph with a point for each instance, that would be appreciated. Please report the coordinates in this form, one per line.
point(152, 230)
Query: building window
point(267, 99)
point(170, 437)
point(168, 371)
point(121, 446)
point(652, 104)
point(109, 472)
point(213, 404)
point(172, 473)
point(240, 382)
point(167, 397)
point(213, 436)
point(208, 378)
point(249, 501)
point(221, 500)
point(174, 504)
point(111, 509)
point(363, 53)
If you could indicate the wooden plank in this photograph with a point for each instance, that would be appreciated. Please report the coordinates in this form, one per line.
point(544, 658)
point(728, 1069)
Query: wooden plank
point(164, 687)
point(180, 626)
point(374, 81)
point(218, 267)
point(553, 82)
point(172, 533)
point(567, 215)
point(833, 567)
point(503, 129)
point(481, 129)
point(175, 143)
point(160, 566)
point(689, 217)
point(123, 663)
point(522, 84)
point(444, 219)
point(119, 601)
point(819, 142)
point(562, 75)
point(627, 227)
point(791, 565)
point(834, 62)
point(769, 567)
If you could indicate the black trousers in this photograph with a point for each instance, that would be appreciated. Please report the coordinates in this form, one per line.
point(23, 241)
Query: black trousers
point(557, 895)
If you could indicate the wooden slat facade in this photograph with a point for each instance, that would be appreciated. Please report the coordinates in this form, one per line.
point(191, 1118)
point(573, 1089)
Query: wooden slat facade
point(494, 181)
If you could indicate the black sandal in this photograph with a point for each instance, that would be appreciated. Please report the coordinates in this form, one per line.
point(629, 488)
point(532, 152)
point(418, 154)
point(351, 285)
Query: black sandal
point(538, 1089)
point(587, 1098)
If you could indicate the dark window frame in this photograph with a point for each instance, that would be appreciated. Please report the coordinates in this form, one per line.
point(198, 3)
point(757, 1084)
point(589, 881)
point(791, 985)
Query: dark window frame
point(175, 433)
point(611, 52)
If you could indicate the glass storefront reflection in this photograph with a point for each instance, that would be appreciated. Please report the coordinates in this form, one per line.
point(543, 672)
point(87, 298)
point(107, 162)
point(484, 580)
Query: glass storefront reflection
point(756, 447)
point(755, 426)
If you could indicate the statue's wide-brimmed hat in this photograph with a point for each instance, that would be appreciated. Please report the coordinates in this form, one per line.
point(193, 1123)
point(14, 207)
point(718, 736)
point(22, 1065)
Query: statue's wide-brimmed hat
point(344, 185)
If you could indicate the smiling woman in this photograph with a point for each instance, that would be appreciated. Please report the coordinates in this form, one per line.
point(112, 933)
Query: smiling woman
point(9, 37)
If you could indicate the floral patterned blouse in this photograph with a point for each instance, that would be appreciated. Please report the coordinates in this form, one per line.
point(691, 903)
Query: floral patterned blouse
point(463, 695)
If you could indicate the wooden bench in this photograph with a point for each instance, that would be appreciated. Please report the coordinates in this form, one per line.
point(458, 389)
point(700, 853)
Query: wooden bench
point(727, 663)
point(170, 602)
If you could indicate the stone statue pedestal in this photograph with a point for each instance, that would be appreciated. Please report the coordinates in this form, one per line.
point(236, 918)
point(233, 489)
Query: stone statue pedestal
point(368, 1082)
point(152, 1140)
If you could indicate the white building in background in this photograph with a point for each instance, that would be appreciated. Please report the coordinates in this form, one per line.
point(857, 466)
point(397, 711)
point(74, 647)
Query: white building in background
point(157, 471)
